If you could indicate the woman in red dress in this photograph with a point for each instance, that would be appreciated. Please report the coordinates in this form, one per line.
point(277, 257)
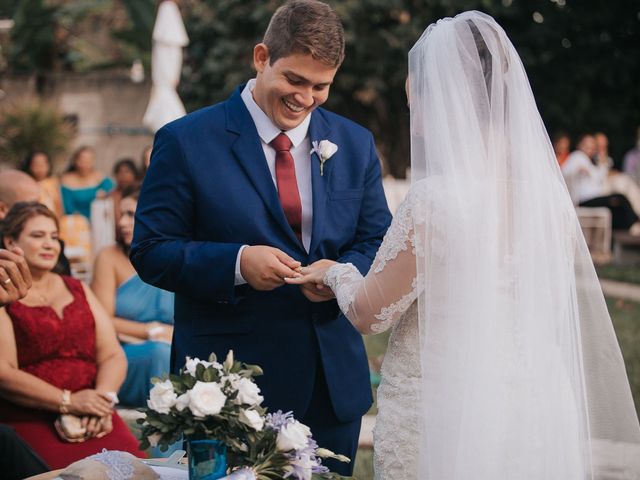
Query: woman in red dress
point(58, 353)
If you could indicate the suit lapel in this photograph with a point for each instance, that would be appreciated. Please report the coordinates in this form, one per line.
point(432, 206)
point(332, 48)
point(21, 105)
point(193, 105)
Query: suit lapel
point(247, 148)
point(319, 130)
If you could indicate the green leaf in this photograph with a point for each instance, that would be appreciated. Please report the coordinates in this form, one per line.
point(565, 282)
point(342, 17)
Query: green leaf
point(208, 375)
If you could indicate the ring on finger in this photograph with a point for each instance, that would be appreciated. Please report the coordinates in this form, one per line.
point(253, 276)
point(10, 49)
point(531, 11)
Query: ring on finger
point(7, 281)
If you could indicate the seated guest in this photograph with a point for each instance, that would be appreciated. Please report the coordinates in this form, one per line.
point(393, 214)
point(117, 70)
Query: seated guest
point(142, 314)
point(561, 146)
point(126, 174)
point(38, 165)
point(602, 157)
point(588, 186)
point(631, 162)
point(82, 183)
point(58, 353)
point(17, 186)
point(616, 182)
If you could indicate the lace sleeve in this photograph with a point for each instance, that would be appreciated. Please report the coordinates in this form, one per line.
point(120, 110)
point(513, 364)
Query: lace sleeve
point(375, 303)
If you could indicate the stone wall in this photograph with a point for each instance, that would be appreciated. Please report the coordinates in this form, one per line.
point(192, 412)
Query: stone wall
point(108, 107)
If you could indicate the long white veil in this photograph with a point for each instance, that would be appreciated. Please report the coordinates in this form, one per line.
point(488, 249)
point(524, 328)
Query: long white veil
point(522, 374)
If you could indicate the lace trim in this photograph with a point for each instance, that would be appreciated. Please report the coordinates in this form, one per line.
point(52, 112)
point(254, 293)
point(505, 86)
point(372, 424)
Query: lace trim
point(118, 466)
point(344, 279)
point(395, 241)
point(393, 312)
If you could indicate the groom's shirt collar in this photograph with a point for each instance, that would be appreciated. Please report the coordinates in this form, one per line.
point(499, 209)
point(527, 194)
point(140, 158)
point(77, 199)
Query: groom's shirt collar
point(267, 131)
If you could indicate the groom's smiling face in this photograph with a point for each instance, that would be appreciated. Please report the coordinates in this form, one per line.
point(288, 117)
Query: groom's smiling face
point(290, 88)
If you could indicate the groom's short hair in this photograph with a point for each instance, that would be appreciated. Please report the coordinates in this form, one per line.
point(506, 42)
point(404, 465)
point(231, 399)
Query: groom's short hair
point(308, 27)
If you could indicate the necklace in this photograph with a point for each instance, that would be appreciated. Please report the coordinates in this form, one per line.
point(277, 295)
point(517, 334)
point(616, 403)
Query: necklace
point(42, 297)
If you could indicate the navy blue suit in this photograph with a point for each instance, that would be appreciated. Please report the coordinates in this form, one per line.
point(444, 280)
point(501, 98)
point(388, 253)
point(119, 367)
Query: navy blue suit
point(208, 191)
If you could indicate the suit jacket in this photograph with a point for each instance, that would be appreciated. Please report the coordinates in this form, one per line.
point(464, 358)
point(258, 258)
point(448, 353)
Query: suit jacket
point(208, 191)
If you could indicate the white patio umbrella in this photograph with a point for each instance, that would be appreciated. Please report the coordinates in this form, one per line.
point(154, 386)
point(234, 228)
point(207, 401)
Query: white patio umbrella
point(169, 37)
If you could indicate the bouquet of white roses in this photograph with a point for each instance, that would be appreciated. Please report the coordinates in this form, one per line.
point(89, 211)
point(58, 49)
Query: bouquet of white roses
point(221, 401)
point(205, 400)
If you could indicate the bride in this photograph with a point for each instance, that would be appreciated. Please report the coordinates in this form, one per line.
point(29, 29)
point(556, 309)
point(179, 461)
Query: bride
point(502, 361)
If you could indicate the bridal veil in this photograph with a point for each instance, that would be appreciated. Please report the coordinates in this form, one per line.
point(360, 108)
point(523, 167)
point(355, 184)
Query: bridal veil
point(522, 376)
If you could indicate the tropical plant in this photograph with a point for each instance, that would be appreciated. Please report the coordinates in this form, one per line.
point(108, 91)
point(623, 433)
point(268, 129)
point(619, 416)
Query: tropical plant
point(32, 126)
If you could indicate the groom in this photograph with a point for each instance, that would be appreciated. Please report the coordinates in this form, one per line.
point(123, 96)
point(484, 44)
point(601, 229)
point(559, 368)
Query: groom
point(234, 202)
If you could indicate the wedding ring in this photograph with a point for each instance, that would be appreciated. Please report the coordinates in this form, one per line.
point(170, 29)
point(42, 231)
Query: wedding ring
point(7, 281)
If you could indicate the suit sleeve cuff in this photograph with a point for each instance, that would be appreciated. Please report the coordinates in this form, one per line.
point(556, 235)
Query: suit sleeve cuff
point(239, 280)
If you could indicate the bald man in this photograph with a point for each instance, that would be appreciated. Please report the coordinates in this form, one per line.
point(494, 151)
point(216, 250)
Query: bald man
point(16, 186)
point(15, 279)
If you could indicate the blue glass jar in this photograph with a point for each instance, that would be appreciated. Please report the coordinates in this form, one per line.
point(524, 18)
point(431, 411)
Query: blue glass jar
point(207, 459)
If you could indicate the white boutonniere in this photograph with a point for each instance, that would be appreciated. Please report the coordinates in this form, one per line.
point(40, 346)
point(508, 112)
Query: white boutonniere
point(325, 150)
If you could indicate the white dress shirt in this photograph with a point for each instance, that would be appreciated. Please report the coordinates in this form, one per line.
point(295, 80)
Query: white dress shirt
point(584, 179)
point(300, 151)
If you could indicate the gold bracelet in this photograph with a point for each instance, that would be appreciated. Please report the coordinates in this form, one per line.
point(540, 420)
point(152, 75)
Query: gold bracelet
point(66, 401)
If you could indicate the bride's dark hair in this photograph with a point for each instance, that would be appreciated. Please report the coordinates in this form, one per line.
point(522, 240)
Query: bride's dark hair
point(486, 57)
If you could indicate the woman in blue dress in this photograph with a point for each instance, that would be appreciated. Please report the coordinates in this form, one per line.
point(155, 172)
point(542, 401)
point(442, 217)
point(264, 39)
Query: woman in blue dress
point(82, 183)
point(142, 314)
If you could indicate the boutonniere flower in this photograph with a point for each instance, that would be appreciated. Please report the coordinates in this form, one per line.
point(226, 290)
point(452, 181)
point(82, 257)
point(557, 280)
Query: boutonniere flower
point(325, 150)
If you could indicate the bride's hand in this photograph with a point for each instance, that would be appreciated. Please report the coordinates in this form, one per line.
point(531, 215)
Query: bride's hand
point(312, 274)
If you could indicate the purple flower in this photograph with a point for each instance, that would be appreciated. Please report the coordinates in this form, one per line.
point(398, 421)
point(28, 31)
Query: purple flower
point(278, 419)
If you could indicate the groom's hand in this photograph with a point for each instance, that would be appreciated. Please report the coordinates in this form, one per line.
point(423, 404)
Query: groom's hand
point(265, 268)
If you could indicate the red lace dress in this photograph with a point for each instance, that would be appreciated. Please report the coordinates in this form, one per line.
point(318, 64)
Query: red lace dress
point(62, 352)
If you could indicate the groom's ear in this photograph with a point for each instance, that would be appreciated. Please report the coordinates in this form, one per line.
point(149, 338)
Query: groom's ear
point(260, 57)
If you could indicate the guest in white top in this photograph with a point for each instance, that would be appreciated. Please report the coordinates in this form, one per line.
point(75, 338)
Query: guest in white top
point(589, 187)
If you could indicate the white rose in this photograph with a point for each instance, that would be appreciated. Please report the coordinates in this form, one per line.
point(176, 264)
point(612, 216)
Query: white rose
point(182, 401)
point(293, 436)
point(327, 149)
point(154, 439)
point(206, 398)
point(192, 363)
point(252, 419)
point(162, 397)
point(248, 392)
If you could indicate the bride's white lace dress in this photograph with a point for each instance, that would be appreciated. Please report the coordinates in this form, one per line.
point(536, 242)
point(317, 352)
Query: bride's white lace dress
point(389, 294)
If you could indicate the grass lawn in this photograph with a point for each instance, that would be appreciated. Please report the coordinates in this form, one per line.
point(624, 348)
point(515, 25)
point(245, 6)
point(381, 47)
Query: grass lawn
point(620, 273)
point(626, 320)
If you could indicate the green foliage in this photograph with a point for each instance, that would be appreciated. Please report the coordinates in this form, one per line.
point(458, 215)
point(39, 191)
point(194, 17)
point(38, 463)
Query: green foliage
point(221, 39)
point(30, 126)
point(33, 43)
point(581, 60)
point(136, 39)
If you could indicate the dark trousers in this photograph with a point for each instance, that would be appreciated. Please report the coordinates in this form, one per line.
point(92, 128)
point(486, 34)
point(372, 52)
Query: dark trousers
point(328, 431)
point(622, 214)
point(17, 459)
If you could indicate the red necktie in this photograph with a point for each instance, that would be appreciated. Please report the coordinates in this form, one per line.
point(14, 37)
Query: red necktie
point(287, 183)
